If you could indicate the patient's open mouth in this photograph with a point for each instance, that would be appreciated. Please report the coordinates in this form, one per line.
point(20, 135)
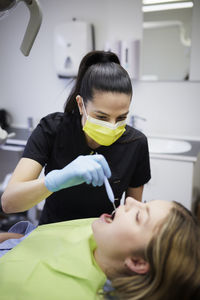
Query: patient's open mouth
point(107, 218)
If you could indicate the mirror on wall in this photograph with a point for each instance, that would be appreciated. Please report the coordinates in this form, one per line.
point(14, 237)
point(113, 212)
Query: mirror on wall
point(166, 45)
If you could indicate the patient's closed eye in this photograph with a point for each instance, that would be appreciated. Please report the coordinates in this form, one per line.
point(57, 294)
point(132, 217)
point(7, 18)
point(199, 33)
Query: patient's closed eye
point(138, 215)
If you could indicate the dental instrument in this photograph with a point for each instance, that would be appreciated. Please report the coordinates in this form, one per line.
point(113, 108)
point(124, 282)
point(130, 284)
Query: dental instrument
point(109, 192)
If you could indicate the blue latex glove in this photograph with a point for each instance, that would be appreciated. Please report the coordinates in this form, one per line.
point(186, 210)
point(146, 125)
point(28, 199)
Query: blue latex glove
point(89, 168)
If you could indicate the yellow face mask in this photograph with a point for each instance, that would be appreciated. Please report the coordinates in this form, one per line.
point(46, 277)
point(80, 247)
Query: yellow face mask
point(102, 132)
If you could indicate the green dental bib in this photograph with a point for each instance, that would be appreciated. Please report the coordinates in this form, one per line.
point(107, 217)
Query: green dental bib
point(55, 262)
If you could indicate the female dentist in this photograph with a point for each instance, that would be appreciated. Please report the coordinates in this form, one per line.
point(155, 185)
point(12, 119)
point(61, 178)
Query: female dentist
point(81, 146)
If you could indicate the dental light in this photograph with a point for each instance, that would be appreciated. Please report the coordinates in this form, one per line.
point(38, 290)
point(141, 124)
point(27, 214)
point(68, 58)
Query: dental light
point(34, 21)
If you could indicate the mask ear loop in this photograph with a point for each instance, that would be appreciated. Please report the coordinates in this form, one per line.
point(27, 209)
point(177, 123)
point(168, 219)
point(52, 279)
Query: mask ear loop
point(84, 108)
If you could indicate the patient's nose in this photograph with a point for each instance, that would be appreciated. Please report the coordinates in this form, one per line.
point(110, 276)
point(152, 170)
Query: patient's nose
point(131, 202)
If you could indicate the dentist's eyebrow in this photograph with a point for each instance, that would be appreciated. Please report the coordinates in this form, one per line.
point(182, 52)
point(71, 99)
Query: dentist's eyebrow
point(103, 113)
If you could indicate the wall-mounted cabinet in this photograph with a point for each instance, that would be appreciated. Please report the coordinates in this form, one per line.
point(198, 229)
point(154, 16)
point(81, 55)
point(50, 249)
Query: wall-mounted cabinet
point(174, 179)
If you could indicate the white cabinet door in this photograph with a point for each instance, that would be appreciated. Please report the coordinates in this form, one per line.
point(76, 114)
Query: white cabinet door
point(170, 180)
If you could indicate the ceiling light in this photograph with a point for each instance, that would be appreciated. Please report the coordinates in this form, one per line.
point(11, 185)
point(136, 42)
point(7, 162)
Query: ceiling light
point(167, 6)
point(148, 2)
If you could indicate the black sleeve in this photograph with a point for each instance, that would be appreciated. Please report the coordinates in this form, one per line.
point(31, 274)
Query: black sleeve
point(40, 142)
point(142, 173)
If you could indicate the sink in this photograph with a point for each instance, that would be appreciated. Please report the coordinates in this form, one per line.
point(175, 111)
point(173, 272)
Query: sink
point(163, 145)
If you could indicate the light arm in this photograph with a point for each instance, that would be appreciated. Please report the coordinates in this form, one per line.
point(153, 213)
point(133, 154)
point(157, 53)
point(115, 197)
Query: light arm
point(33, 25)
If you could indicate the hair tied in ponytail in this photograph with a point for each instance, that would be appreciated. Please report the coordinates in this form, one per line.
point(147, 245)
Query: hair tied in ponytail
point(97, 57)
point(98, 71)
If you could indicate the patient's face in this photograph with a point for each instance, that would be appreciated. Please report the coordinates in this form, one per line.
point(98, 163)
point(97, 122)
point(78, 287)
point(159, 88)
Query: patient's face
point(131, 229)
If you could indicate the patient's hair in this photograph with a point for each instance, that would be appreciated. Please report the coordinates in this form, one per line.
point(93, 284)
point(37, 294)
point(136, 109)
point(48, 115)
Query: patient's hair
point(174, 257)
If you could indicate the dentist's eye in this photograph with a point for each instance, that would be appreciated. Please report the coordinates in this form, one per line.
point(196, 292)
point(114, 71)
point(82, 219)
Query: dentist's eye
point(103, 118)
point(121, 119)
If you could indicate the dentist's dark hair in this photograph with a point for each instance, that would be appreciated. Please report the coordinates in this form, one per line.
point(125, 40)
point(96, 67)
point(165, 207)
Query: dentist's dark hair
point(98, 71)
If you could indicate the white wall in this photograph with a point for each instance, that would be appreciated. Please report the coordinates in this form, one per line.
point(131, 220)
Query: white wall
point(170, 108)
point(29, 86)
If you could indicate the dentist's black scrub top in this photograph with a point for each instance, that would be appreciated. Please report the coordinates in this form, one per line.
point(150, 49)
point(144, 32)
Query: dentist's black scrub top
point(58, 139)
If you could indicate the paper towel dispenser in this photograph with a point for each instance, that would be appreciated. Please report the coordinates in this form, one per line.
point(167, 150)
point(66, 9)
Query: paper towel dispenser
point(72, 40)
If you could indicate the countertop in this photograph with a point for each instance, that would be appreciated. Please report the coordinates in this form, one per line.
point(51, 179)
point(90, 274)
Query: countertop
point(17, 141)
point(20, 138)
point(191, 155)
point(22, 135)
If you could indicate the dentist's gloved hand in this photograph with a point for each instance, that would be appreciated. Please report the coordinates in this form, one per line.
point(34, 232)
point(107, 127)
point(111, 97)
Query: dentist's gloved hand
point(89, 168)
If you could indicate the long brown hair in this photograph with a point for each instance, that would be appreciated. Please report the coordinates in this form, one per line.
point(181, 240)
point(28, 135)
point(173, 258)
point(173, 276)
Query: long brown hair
point(174, 257)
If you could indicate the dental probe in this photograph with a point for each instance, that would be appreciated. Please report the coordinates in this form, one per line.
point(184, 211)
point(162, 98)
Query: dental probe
point(109, 192)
